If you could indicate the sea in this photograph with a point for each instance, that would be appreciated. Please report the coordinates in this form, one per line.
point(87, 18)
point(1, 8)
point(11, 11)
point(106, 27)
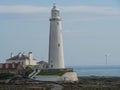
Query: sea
point(101, 70)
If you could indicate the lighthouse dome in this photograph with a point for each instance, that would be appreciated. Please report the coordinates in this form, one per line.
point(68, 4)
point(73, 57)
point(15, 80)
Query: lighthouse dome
point(55, 8)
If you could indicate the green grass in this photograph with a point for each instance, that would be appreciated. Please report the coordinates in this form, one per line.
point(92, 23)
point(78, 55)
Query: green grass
point(52, 72)
point(6, 75)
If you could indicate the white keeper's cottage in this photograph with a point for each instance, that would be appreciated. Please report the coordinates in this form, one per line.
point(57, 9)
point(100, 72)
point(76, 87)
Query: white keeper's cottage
point(23, 59)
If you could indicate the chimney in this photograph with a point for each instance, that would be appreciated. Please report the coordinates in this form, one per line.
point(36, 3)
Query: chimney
point(20, 54)
point(30, 55)
point(11, 55)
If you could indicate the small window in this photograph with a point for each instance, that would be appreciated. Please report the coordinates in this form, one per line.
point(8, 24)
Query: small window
point(51, 66)
point(58, 44)
point(55, 14)
point(57, 23)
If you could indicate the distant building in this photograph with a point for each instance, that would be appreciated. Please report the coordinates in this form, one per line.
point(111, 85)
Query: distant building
point(19, 60)
point(41, 65)
point(22, 59)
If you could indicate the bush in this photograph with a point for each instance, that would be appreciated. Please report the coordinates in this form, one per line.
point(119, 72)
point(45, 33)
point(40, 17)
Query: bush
point(6, 75)
point(28, 71)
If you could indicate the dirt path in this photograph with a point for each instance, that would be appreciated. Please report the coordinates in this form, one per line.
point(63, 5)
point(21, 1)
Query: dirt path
point(57, 87)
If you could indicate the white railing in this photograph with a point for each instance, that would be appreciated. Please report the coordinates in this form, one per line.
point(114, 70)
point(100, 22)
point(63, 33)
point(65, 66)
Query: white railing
point(31, 74)
point(32, 77)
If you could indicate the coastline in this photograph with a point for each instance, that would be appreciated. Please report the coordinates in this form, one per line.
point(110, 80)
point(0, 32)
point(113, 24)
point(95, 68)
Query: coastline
point(84, 83)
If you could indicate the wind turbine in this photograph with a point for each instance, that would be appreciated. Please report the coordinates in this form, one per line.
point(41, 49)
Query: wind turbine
point(106, 58)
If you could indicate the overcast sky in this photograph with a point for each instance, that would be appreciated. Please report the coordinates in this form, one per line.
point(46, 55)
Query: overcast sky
point(91, 29)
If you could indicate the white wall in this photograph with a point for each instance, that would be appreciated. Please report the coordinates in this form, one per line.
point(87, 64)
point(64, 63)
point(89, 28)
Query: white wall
point(47, 78)
point(68, 77)
point(24, 62)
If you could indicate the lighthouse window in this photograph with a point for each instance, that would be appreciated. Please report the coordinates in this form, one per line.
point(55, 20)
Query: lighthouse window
point(51, 66)
point(55, 14)
point(58, 44)
point(57, 23)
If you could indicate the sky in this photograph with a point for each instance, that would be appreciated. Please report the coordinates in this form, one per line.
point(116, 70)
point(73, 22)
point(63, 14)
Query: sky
point(91, 30)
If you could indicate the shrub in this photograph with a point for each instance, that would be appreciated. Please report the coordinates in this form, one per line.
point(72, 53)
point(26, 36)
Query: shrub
point(6, 75)
point(28, 71)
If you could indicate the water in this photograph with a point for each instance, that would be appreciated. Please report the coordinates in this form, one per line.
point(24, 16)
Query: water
point(97, 70)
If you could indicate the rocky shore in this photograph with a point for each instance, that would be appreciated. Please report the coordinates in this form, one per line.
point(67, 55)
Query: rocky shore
point(84, 83)
point(94, 83)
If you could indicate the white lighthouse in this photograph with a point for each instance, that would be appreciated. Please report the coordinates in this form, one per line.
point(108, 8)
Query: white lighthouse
point(56, 55)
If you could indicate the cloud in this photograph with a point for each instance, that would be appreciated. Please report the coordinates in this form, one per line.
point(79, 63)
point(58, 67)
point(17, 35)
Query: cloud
point(23, 9)
point(28, 13)
point(92, 9)
point(70, 9)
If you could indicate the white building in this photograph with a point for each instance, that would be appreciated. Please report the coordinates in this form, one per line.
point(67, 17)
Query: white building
point(56, 55)
point(41, 65)
point(22, 59)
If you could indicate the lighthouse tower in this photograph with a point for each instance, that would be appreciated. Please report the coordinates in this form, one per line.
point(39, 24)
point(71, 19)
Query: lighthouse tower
point(56, 55)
